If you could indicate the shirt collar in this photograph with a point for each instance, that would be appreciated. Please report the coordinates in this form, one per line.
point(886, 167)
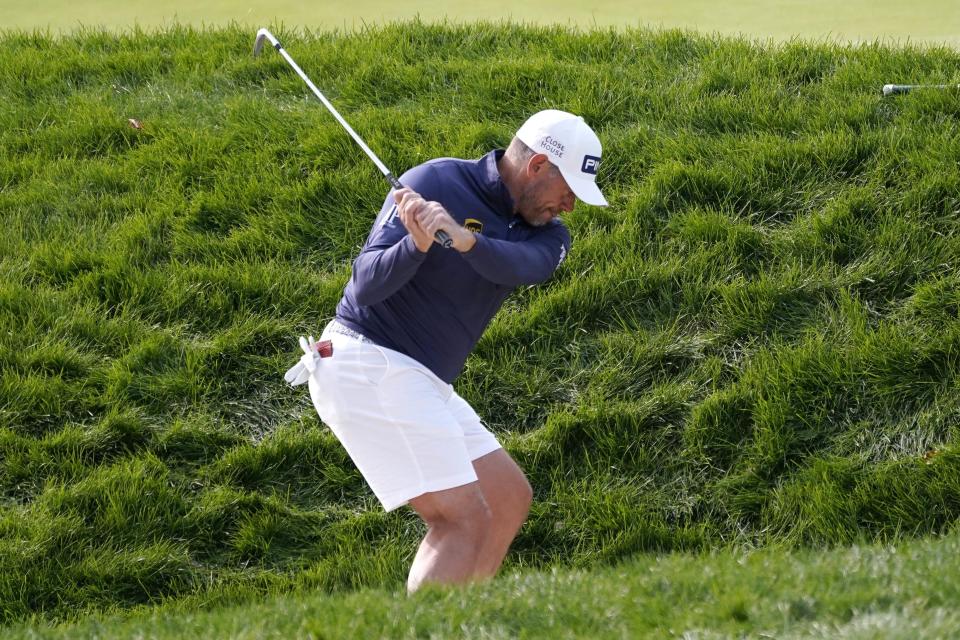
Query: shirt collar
point(497, 192)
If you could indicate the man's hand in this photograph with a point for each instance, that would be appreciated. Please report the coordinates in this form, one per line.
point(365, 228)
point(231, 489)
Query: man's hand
point(423, 218)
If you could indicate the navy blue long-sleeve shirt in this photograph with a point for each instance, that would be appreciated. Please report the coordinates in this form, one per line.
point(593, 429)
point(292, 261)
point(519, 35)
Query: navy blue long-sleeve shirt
point(434, 306)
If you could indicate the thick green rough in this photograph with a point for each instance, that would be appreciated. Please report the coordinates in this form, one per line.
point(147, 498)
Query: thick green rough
point(757, 343)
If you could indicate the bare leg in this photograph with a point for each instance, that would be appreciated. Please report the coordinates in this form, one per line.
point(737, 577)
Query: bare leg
point(508, 493)
point(458, 521)
point(470, 528)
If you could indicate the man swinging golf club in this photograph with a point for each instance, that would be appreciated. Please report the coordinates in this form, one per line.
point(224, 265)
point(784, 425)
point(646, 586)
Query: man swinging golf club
point(381, 375)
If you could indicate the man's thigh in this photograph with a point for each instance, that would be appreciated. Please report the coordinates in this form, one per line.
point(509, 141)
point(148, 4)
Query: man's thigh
point(394, 422)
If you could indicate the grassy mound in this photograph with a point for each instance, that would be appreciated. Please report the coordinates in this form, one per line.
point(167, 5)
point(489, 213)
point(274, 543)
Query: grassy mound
point(758, 342)
point(908, 592)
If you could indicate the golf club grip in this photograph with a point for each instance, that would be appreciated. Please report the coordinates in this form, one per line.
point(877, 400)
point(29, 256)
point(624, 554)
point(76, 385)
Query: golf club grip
point(440, 236)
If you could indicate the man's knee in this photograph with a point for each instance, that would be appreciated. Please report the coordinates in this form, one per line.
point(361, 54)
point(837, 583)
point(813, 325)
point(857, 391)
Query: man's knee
point(475, 521)
point(524, 493)
point(463, 508)
point(505, 487)
point(516, 507)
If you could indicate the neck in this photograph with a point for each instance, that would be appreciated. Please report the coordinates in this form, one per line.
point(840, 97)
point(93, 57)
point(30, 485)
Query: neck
point(511, 174)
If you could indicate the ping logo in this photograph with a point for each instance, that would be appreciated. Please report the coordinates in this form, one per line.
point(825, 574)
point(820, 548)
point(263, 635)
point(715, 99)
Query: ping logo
point(472, 224)
point(590, 164)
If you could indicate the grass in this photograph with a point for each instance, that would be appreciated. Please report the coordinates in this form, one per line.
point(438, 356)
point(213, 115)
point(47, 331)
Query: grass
point(757, 344)
point(907, 591)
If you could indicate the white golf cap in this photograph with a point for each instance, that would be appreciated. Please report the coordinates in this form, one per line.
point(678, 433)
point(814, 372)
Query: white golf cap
point(572, 147)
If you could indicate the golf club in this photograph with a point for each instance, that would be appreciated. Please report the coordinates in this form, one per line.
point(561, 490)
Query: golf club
point(263, 34)
point(896, 89)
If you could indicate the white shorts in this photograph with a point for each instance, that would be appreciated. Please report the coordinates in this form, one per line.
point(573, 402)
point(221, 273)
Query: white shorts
point(407, 430)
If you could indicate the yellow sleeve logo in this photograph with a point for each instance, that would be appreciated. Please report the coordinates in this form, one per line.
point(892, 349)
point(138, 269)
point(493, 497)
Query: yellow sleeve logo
point(472, 224)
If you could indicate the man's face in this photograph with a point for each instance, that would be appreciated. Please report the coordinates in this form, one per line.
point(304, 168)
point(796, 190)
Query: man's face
point(544, 195)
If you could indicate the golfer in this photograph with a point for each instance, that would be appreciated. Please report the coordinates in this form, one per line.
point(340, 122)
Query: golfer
point(381, 375)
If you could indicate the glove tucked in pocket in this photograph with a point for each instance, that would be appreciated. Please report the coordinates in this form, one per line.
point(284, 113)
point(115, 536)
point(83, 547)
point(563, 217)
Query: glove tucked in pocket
point(312, 353)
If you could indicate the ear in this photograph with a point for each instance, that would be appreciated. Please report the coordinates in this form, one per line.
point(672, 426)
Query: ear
point(537, 163)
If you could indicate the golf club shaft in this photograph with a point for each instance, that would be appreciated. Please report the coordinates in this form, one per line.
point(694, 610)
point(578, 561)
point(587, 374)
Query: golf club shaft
point(440, 236)
point(896, 89)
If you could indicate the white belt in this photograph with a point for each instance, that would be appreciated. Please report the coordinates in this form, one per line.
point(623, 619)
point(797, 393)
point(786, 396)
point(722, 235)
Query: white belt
point(336, 326)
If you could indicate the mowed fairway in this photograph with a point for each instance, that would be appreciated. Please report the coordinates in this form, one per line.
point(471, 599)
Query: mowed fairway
point(928, 21)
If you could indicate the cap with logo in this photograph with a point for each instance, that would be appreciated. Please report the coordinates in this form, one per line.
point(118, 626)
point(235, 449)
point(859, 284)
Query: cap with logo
point(572, 147)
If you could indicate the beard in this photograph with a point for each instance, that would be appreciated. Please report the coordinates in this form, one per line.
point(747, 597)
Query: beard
point(530, 205)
